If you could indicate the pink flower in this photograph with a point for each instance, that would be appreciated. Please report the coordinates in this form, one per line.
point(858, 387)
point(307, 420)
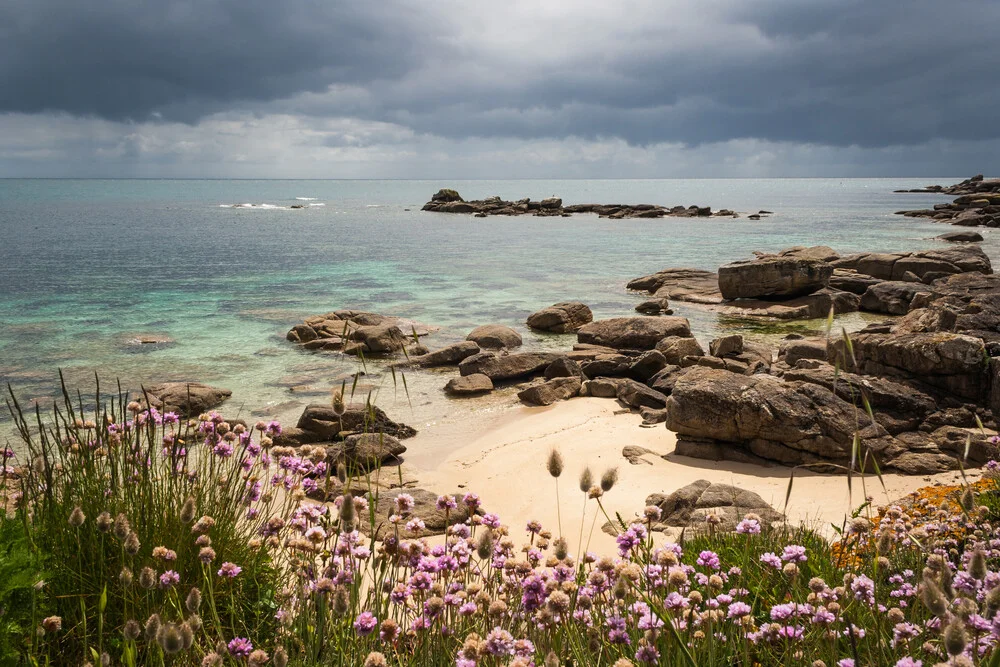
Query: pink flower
point(231, 570)
point(365, 623)
point(169, 579)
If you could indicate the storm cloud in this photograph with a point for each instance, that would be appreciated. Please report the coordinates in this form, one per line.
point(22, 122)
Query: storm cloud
point(841, 75)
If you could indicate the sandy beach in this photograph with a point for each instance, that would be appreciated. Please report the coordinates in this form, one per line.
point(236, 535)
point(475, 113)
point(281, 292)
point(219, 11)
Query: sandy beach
point(504, 462)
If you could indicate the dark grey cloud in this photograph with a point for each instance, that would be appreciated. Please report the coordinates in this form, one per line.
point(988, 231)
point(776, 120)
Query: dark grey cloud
point(126, 60)
point(869, 73)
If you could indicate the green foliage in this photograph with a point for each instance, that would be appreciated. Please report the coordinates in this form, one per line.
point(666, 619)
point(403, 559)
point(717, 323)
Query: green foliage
point(19, 572)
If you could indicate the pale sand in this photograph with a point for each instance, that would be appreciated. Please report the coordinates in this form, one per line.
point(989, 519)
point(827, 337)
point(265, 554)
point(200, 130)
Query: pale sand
point(504, 462)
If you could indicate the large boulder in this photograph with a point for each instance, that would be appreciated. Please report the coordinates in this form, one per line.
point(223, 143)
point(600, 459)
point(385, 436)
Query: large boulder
point(633, 333)
point(637, 395)
point(779, 276)
point(508, 366)
point(691, 285)
point(954, 363)
point(789, 422)
point(690, 505)
point(550, 391)
point(379, 339)
point(469, 385)
point(425, 507)
point(564, 317)
point(926, 265)
point(186, 398)
point(321, 424)
point(448, 355)
point(891, 297)
point(446, 195)
point(963, 236)
point(676, 348)
point(365, 451)
point(494, 336)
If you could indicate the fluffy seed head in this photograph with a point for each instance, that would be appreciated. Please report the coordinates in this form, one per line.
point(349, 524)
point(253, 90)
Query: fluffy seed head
point(586, 480)
point(933, 599)
point(193, 601)
point(955, 638)
point(280, 657)
point(555, 463)
point(152, 627)
point(977, 565)
point(132, 545)
point(484, 545)
point(609, 479)
point(132, 630)
point(77, 517)
point(188, 510)
point(104, 522)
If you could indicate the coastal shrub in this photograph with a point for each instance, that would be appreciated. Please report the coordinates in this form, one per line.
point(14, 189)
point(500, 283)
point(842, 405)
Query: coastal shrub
point(294, 581)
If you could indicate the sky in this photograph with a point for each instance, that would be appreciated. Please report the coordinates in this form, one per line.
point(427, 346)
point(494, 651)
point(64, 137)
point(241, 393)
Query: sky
point(499, 89)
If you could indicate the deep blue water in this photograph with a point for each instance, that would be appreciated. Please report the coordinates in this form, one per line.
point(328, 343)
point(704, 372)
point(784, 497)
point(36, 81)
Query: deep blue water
point(85, 263)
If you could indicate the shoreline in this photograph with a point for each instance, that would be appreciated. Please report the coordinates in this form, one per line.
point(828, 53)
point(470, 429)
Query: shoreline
point(587, 432)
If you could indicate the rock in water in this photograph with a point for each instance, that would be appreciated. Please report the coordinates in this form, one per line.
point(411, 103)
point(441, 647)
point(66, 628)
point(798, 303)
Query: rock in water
point(564, 317)
point(186, 398)
point(495, 336)
point(507, 367)
point(961, 237)
point(633, 333)
point(450, 355)
point(469, 385)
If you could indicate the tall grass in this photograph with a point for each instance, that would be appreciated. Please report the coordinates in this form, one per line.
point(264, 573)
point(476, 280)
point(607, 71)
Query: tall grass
point(293, 581)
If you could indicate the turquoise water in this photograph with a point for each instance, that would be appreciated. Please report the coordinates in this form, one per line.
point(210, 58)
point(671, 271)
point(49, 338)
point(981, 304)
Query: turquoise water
point(85, 263)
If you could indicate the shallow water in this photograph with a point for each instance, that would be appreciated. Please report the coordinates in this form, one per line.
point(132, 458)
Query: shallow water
point(85, 265)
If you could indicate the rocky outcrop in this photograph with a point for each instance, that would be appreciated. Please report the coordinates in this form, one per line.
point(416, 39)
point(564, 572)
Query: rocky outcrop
point(425, 507)
point(357, 332)
point(691, 505)
point(690, 285)
point(508, 366)
point(633, 333)
point(449, 355)
point(891, 297)
point(494, 336)
point(949, 362)
point(809, 307)
point(718, 414)
point(186, 398)
point(566, 317)
point(551, 391)
point(365, 451)
point(680, 351)
point(469, 385)
point(319, 423)
point(978, 203)
point(449, 201)
point(790, 273)
point(654, 307)
point(926, 265)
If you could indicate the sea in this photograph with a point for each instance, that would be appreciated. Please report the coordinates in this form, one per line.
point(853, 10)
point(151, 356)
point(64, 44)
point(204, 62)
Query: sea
point(89, 267)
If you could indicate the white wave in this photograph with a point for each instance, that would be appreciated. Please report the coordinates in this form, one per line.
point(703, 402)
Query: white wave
point(307, 198)
point(258, 207)
point(318, 204)
point(375, 206)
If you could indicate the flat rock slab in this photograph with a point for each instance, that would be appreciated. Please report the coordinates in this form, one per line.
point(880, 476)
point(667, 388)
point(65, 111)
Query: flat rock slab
point(633, 333)
point(683, 284)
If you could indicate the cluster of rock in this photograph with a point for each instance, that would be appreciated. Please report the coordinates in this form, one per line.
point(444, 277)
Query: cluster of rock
point(358, 332)
point(807, 283)
point(449, 201)
point(977, 204)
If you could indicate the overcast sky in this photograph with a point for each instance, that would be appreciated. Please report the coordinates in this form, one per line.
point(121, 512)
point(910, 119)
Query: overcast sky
point(499, 89)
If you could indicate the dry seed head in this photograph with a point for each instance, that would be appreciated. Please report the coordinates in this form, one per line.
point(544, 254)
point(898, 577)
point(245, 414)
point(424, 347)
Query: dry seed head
point(375, 659)
point(551, 660)
point(340, 602)
point(586, 480)
point(955, 638)
point(132, 545)
point(213, 659)
point(257, 658)
point(77, 517)
point(347, 509)
point(555, 463)
point(104, 522)
point(484, 545)
point(342, 473)
point(933, 599)
point(132, 630)
point(125, 577)
point(147, 578)
point(977, 565)
point(609, 479)
point(152, 627)
point(193, 601)
point(280, 658)
point(560, 548)
point(121, 528)
point(187, 635)
point(188, 510)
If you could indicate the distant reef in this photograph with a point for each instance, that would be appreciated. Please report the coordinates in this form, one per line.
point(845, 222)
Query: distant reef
point(977, 203)
point(449, 201)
